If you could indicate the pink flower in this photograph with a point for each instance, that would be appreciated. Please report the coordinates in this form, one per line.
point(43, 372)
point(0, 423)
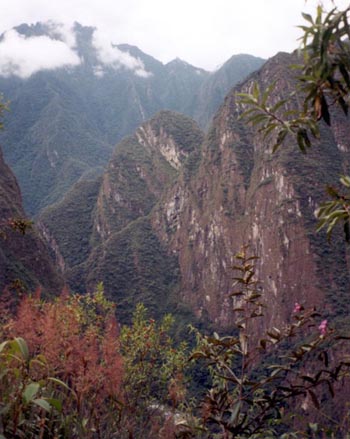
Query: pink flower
point(297, 307)
point(323, 327)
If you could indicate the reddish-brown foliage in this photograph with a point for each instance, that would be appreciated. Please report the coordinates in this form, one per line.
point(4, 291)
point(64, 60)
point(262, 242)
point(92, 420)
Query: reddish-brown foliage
point(78, 337)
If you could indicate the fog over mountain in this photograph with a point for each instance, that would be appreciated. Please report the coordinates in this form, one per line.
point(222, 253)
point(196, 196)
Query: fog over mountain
point(28, 50)
point(203, 34)
point(74, 94)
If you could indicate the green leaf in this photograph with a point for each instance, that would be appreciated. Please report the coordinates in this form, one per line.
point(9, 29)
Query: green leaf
point(345, 180)
point(319, 15)
point(267, 93)
point(256, 90)
point(276, 371)
point(314, 129)
point(307, 17)
point(22, 347)
point(3, 345)
point(324, 110)
point(332, 192)
point(247, 112)
point(235, 412)
point(197, 355)
point(30, 391)
point(56, 403)
point(343, 104)
point(280, 139)
point(301, 142)
point(43, 404)
point(313, 427)
point(60, 383)
point(257, 118)
point(273, 335)
point(278, 105)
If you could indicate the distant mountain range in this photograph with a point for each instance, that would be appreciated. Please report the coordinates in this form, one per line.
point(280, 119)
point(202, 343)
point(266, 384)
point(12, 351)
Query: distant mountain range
point(63, 123)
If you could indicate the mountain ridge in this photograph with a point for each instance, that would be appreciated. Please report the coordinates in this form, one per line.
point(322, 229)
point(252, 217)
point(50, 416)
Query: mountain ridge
point(64, 123)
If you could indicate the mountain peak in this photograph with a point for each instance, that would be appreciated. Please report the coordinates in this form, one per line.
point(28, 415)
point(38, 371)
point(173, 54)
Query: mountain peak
point(151, 64)
point(178, 63)
point(177, 60)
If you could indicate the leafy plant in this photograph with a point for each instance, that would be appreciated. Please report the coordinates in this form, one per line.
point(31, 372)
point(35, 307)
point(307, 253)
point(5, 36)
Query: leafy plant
point(248, 401)
point(29, 406)
point(154, 369)
point(70, 342)
point(336, 210)
point(323, 82)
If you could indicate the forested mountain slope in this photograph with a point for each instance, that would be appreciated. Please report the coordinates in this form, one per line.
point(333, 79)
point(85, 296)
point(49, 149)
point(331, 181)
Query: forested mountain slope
point(23, 258)
point(103, 230)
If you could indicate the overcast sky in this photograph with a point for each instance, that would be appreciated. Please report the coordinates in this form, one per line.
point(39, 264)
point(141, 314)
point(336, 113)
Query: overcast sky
point(204, 33)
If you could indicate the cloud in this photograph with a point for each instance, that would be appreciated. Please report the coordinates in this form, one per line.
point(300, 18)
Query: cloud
point(23, 56)
point(62, 31)
point(109, 55)
point(202, 32)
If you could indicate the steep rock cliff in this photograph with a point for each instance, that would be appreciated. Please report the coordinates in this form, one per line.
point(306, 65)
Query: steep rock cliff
point(242, 194)
point(22, 257)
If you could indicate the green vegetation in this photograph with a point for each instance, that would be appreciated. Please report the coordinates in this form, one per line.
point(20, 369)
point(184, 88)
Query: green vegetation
point(19, 240)
point(72, 229)
point(134, 267)
point(323, 83)
point(66, 371)
point(182, 129)
point(153, 368)
point(215, 89)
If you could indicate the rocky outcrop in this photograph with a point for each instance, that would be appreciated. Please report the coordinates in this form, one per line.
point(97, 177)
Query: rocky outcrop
point(142, 167)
